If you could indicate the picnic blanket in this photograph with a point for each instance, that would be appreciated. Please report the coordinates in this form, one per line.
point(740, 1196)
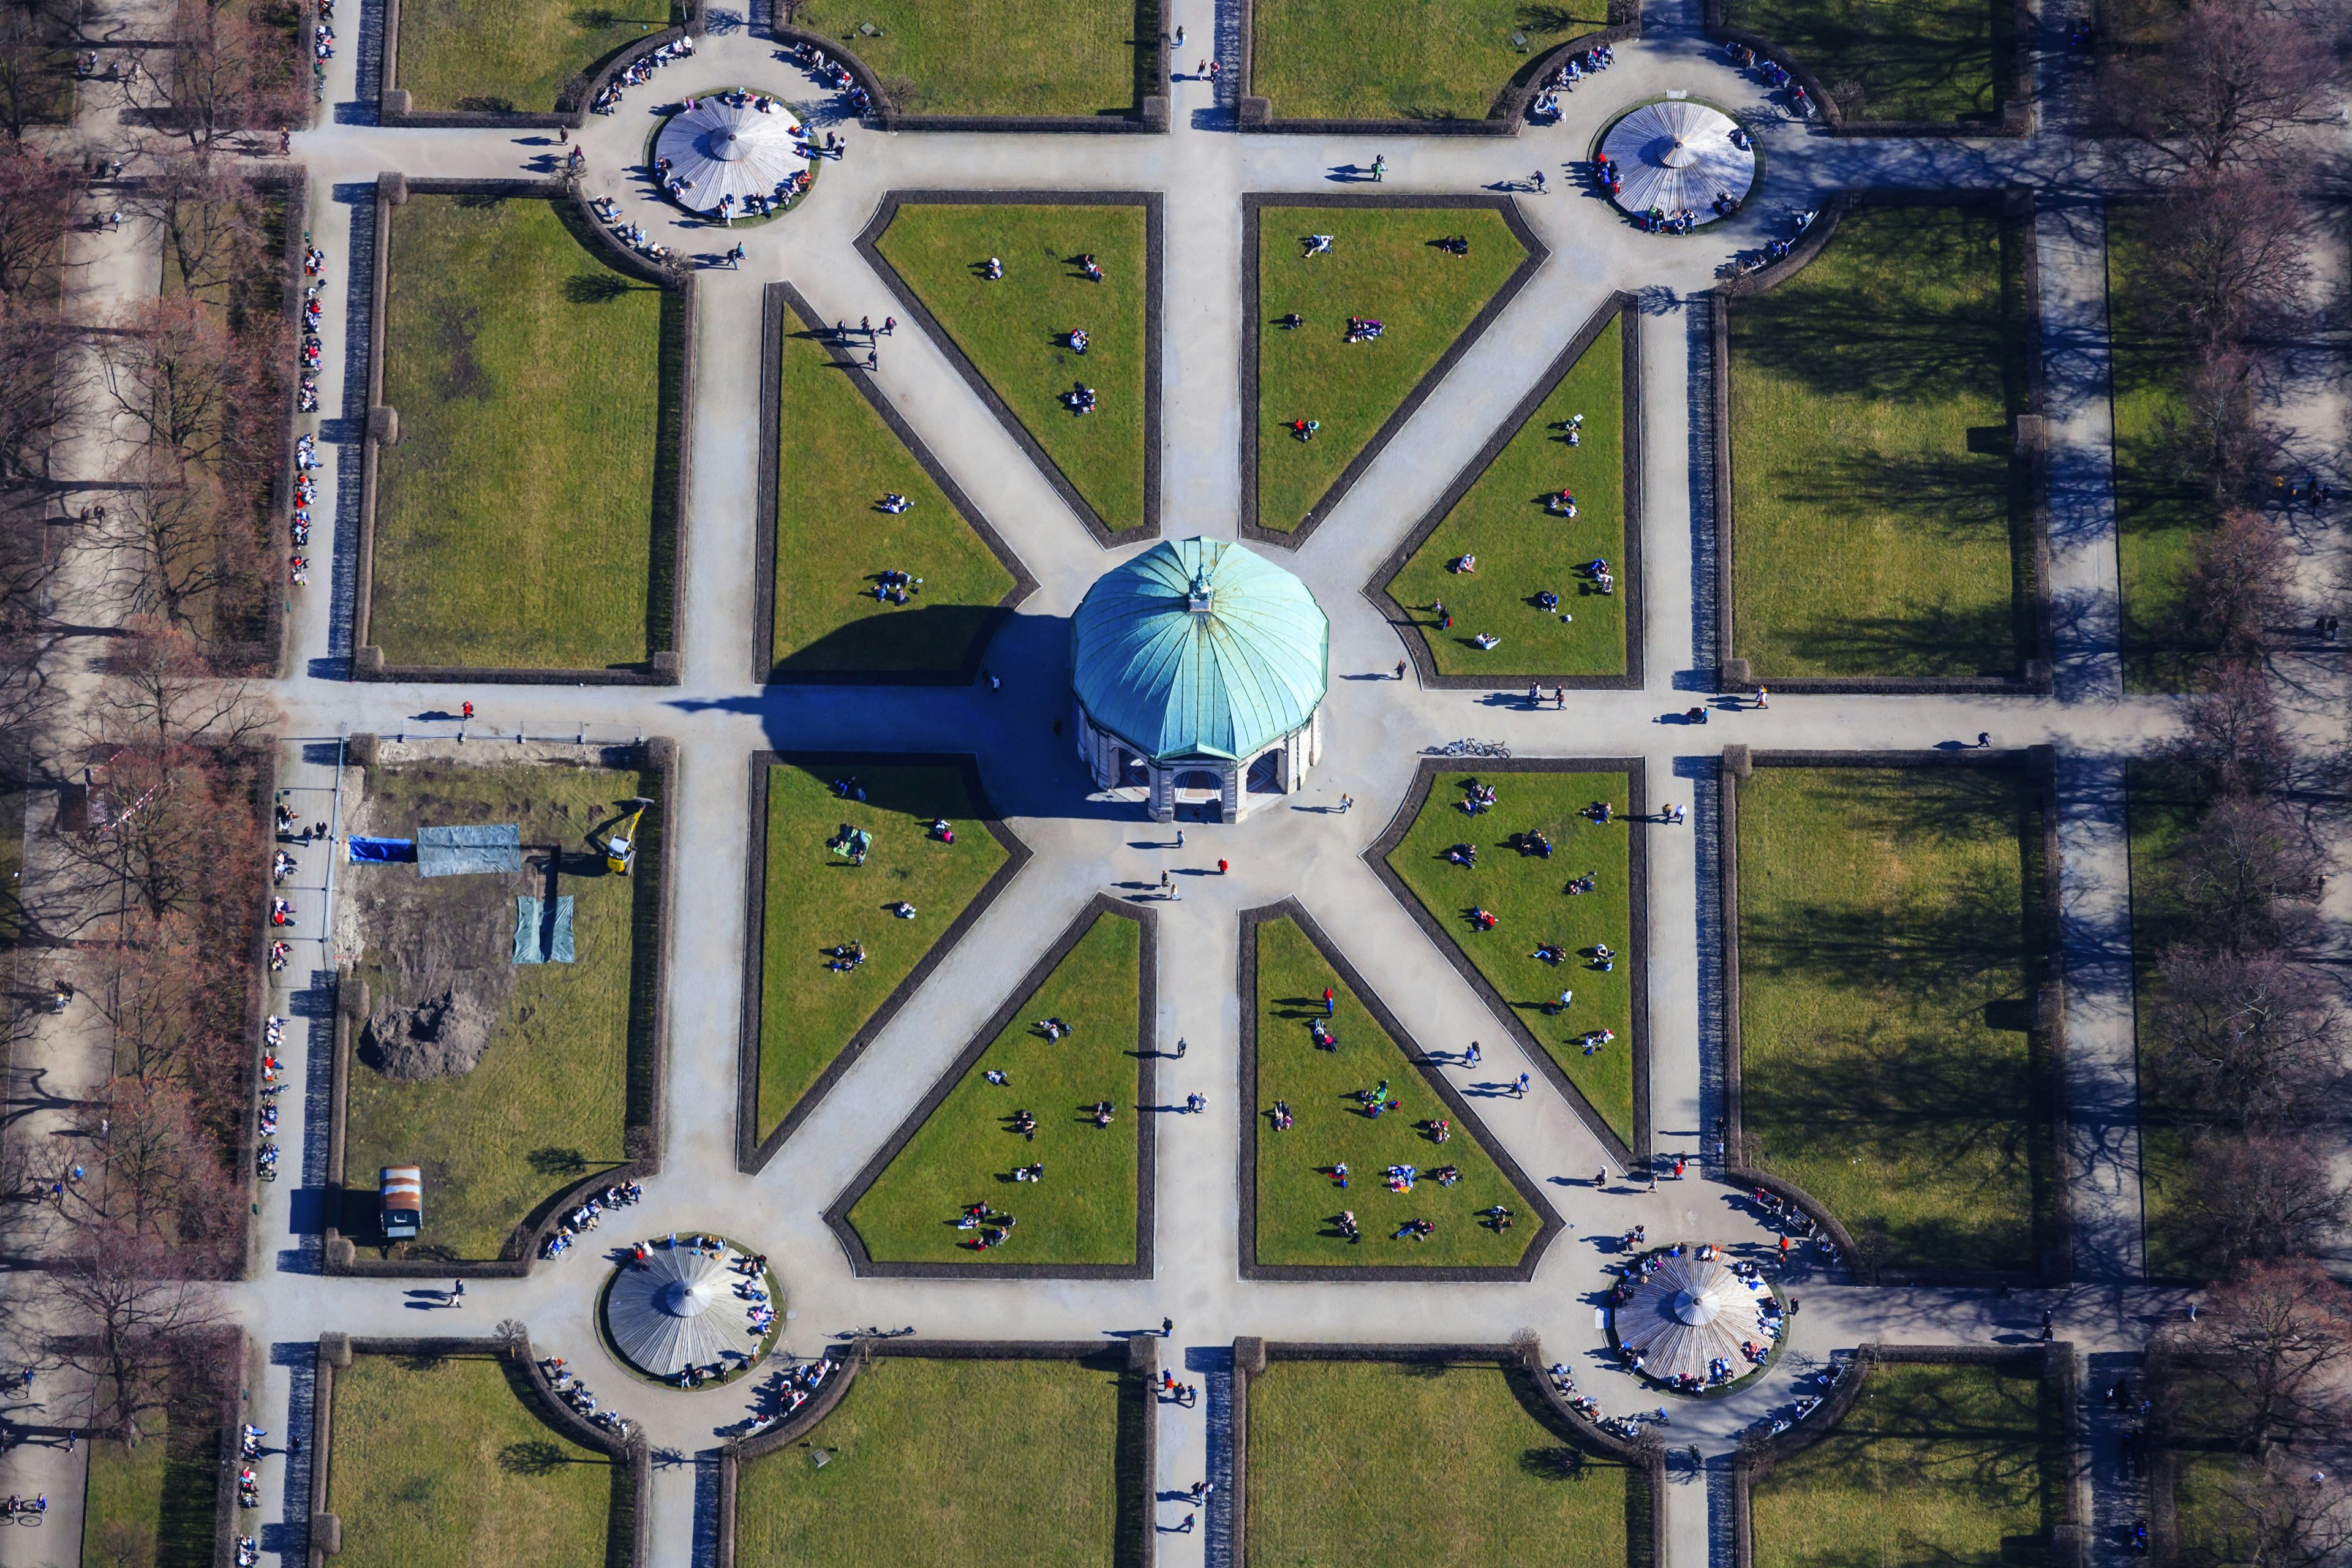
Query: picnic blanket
point(461, 851)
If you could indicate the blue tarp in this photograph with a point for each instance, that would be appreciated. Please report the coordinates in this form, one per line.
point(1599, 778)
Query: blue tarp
point(382, 849)
point(457, 851)
point(539, 940)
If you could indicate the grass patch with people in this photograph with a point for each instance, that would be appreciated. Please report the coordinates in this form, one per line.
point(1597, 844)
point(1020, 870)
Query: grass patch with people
point(1457, 1466)
point(1891, 952)
point(1952, 1464)
point(1300, 1195)
point(504, 1083)
point(455, 54)
point(944, 1463)
point(1520, 548)
point(837, 461)
point(1028, 1105)
point(1526, 891)
point(1896, 59)
point(1881, 522)
point(1016, 329)
point(1383, 264)
point(1000, 57)
point(440, 1461)
point(524, 520)
point(1415, 59)
point(818, 903)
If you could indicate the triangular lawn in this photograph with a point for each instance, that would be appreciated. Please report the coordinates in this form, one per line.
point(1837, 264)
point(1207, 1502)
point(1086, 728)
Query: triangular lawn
point(816, 899)
point(1015, 329)
point(1527, 894)
point(835, 459)
point(1524, 550)
point(1384, 263)
point(1298, 1198)
point(965, 1151)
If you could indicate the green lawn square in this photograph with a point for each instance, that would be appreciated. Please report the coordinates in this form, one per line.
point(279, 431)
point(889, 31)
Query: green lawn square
point(1407, 59)
point(1912, 60)
point(999, 57)
point(467, 56)
point(2157, 818)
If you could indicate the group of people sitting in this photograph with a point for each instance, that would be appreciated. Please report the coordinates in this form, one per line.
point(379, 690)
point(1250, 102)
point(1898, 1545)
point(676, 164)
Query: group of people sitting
point(631, 234)
point(1281, 1116)
point(993, 1228)
point(1463, 565)
point(639, 70)
point(845, 956)
point(576, 1394)
point(852, 843)
point(1573, 70)
point(1773, 72)
point(588, 1215)
point(1320, 1033)
point(1478, 797)
point(894, 587)
point(1377, 1100)
point(832, 72)
point(1591, 1040)
point(1364, 328)
point(1080, 399)
point(1596, 572)
point(1053, 1029)
point(1533, 842)
point(1304, 429)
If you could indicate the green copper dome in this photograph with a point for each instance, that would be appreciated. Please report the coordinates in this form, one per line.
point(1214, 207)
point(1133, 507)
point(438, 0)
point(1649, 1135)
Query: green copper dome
point(1198, 648)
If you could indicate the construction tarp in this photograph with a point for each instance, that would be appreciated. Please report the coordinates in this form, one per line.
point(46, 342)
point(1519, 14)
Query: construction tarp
point(383, 850)
point(540, 939)
point(459, 851)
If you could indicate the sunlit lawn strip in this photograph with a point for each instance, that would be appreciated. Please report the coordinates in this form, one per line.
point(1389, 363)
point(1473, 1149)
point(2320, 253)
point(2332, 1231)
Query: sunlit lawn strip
point(2156, 818)
point(152, 1503)
point(1413, 60)
point(1912, 60)
point(463, 55)
point(998, 57)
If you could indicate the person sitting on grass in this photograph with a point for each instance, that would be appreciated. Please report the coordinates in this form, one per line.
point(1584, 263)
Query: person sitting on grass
point(894, 503)
point(1549, 952)
point(1316, 245)
point(1091, 268)
point(903, 910)
point(1282, 1117)
point(1463, 565)
point(1456, 245)
point(1078, 339)
point(1305, 428)
point(1291, 322)
point(1485, 642)
point(1102, 1113)
point(995, 270)
point(1053, 1028)
point(1363, 329)
point(1325, 1040)
point(1484, 919)
point(1417, 1229)
point(1562, 503)
point(1592, 1040)
point(1346, 1223)
point(1025, 1124)
point(1547, 600)
point(1464, 854)
point(942, 831)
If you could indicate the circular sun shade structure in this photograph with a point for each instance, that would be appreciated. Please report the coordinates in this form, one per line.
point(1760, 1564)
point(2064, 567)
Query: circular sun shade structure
point(722, 148)
point(1678, 156)
point(1688, 1314)
point(681, 1310)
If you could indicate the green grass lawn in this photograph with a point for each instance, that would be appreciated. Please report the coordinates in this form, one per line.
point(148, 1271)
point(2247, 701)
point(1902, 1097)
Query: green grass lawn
point(1299, 1196)
point(461, 55)
point(1083, 1211)
point(1413, 59)
point(943, 1464)
point(1448, 1466)
point(816, 899)
point(2156, 820)
point(1912, 59)
point(837, 459)
point(1528, 892)
point(1383, 264)
point(438, 1460)
point(1881, 526)
point(1961, 1466)
point(1890, 943)
point(151, 1506)
point(2212, 1528)
point(2159, 516)
point(521, 522)
point(1523, 550)
point(999, 57)
point(547, 1103)
point(1016, 329)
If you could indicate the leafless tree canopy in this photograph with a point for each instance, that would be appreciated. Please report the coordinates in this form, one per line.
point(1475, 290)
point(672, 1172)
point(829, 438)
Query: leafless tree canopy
point(147, 1324)
point(2235, 599)
point(2252, 1042)
point(39, 196)
point(2230, 742)
point(2278, 1334)
point(2229, 84)
point(2250, 875)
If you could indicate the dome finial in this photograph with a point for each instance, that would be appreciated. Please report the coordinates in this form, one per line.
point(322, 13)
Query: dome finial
point(1202, 593)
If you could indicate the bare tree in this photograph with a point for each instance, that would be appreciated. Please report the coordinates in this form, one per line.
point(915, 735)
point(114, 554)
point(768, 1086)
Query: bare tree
point(2250, 874)
point(2236, 594)
point(2230, 85)
point(32, 83)
point(175, 548)
point(2270, 1514)
point(2230, 742)
point(157, 1177)
point(2249, 1041)
point(143, 1319)
point(37, 393)
point(39, 198)
point(161, 693)
point(156, 990)
point(209, 218)
point(171, 365)
point(166, 824)
point(2234, 258)
point(2217, 436)
point(2279, 1334)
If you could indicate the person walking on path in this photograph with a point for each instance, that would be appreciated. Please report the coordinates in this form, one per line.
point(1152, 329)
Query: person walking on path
point(456, 1292)
point(1221, 867)
point(465, 710)
point(1536, 179)
point(1379, 166)
point(1180, 838)
point(1601, 1178)
point(1167, 1327)
point(1470, 1056)
point(890, 325)
point(1519, 1089)
point(1179, 1047)
point(1984, 739)
point(1399, 669)
point(1186, 1528)
point(1763, 697)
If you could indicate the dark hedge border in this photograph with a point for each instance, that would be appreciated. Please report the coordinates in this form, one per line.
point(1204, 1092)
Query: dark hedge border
point(1549, 1223)
point(1504, 117)
point(1645, 1459)
point(1253, 205)
point(571, 100)
point(1409, 631)
point(1139, 1360)
point(642, 1135)
point(2017, 114)
point(1637, 936)
point(1147, 1024)
point(336, 1351)
point(661, 668)
point(2049, 1028)
point(1149, 116)
point(1154, 205)
point(777, 301)
point(2055, 1363)
point(753, 1153)
point(2016, 203)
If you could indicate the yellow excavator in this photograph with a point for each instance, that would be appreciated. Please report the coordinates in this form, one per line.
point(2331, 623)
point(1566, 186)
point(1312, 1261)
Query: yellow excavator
point(620, 843)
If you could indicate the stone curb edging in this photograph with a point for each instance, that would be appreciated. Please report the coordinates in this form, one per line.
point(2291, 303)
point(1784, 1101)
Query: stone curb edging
point(753, 1153)
point(1154, 205)
point(1504, 116)
point(642, 1139)
point(2056, 1365)
point(1251, 1355)
point(837, 1217)
point(1548, 1222)
point(2050, 1010)
point(1141, 1356)
point(1255, 203)
point(1409, 631)
point(2016, 203)
point(777, 299)
point(1637, 936)
point(571, 100)
point(661, 667)
point(247, 1175)
point(335, 1351)
point(1149, 116)
point(2017, 114)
